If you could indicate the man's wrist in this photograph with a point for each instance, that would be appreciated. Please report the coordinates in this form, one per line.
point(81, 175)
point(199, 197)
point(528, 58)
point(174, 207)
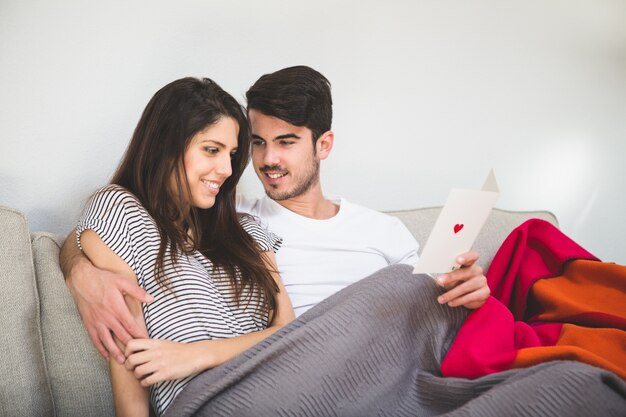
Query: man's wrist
point(70, 257)
point(79, 267)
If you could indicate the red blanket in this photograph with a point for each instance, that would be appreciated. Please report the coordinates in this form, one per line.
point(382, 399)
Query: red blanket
point(551, 299)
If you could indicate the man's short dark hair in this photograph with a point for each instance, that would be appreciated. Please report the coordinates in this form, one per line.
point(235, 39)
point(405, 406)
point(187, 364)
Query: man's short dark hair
point(298, 95)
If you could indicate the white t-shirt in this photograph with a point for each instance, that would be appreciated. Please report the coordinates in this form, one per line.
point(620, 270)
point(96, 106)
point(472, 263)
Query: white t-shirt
point(320, 257)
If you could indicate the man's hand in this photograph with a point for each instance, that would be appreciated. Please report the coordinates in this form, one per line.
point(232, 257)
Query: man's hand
point(467, 286)
point(99, 296)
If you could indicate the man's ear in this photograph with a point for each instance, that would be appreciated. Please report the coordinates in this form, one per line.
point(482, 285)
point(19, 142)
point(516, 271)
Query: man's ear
point(324, 144)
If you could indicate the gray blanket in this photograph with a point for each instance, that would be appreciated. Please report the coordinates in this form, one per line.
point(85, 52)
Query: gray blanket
point(374, 349)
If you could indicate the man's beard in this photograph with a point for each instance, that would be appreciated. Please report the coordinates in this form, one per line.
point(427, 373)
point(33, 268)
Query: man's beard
point(310, 178)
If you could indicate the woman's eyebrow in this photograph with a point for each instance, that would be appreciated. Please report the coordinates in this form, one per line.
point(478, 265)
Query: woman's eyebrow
point(216, 142)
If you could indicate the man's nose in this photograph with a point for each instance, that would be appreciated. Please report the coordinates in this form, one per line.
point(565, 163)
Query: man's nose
point(270, 156)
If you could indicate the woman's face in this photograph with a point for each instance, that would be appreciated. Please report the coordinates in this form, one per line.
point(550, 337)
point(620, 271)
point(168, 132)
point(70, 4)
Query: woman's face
point(208, 160)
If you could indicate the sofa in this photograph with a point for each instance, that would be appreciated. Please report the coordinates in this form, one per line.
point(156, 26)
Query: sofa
point(48, 366)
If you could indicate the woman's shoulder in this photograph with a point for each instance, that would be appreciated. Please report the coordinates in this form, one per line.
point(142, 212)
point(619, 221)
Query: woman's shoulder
point(113, 200)
point(116, 193)
point(250, 224)
point(266, 240)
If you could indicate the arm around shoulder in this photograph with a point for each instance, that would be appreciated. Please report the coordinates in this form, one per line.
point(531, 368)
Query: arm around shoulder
point(99, 296)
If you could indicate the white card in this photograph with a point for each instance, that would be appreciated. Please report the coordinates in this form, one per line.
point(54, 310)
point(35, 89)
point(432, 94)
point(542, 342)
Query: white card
point(457, 227)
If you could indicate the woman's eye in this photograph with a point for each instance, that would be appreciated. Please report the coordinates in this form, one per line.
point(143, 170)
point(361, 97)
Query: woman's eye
point(211, 150)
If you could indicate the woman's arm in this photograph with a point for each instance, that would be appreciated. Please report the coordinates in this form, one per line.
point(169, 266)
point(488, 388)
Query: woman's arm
point(99, 297)
point(158, 360)
point(284, 310)
point(131, 399)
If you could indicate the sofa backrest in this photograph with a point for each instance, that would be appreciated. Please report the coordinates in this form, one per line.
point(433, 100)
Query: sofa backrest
point(48, 366)
point(499, 224)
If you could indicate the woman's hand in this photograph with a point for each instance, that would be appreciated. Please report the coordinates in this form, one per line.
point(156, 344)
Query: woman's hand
point(153, 360)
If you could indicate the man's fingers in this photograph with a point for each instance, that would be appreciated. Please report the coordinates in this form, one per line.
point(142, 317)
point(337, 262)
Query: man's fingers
point(120, 310)
point(467, 286)
point(460, 290)
point(471, 300)
point(134, 290)
point(459, 301)
point(111, 346)
point(125, 327)
point(467, 258)
point(454, 278)
point(132, 330)
point(119, 329)
point(95, 340)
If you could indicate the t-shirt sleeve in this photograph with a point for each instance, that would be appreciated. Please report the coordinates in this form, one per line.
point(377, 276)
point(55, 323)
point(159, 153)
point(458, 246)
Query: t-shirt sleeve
point(265, 240)
point(402, 247)
point(111, 213)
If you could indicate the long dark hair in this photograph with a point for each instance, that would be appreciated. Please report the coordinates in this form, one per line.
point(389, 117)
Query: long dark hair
point(155, 157)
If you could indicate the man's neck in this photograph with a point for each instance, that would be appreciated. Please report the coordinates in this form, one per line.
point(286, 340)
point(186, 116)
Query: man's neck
point(311, 204)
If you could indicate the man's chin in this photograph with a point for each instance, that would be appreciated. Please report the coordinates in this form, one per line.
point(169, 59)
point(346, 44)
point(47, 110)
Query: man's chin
point(277, 195)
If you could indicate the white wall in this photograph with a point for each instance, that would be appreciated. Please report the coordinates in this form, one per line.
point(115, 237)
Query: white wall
point(428, 95)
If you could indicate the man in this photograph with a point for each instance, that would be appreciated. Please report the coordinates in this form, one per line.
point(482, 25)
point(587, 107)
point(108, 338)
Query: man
point(328, 243)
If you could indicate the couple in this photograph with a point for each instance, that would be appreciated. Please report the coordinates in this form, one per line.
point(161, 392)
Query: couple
point(184, 275)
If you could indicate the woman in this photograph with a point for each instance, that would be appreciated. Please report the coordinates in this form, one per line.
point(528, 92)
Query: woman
point(168, 221)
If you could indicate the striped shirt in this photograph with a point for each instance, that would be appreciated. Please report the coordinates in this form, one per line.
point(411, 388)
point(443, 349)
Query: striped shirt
point(201, 305)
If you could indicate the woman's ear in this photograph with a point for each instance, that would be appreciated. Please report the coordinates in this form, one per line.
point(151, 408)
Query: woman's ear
point(324, 144)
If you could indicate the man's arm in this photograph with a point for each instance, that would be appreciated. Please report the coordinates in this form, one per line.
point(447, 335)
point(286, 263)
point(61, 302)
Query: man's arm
point(99, 297)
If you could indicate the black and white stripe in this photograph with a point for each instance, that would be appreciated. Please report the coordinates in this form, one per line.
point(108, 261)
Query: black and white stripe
point(200, 306)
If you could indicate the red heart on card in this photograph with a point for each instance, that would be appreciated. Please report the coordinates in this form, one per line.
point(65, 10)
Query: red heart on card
point(457, 228)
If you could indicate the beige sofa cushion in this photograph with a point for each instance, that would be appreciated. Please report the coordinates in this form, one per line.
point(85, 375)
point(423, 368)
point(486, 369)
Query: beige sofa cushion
point(24, 389)
point(78, 374)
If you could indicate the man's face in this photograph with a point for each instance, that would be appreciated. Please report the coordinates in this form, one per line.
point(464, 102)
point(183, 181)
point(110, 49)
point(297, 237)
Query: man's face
point(283, 156)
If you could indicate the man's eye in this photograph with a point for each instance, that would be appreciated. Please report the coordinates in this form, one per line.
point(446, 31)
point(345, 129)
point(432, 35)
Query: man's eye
point(258, 142)
point(287, 142)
